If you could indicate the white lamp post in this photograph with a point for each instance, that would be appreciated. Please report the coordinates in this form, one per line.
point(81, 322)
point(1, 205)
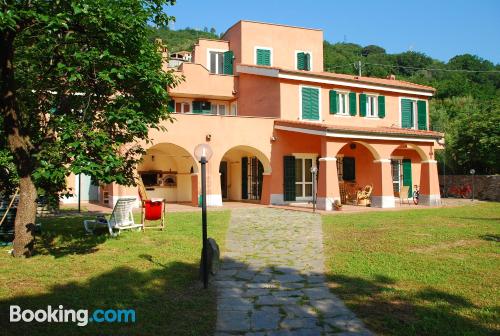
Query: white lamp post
point(203, 153)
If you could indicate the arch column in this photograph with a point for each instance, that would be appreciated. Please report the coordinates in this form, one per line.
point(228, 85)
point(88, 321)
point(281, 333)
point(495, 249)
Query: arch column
point(429, 183)
point(383, 192)
point(265, 197)
point(214, 192)
point(328, 180)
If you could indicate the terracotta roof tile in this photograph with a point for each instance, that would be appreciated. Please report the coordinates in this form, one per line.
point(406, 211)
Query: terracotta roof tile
point(359, 129)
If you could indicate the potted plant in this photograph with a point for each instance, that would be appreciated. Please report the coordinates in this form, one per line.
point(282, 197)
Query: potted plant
point(337, 205)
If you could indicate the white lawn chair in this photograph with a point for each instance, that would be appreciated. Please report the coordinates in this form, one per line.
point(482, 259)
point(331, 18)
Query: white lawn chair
point(121, 218)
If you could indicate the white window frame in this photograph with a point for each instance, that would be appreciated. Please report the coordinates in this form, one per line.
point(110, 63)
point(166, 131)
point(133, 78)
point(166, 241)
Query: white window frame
point(233, 107)
point(346, 103)
point(216, 63)
point(303, 157)
point(320, 114)
point(399, 160)
point(310, 58)
point(375, 105)
point(415, 112)
point(182, 107)
point(217, 109)
point(262, 48)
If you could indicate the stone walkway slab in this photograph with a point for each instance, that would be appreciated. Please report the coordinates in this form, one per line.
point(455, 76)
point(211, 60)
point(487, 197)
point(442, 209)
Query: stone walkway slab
point(272, 278)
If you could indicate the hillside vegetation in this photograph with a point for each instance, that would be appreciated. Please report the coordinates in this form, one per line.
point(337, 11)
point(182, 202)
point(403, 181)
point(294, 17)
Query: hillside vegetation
point(466, 106)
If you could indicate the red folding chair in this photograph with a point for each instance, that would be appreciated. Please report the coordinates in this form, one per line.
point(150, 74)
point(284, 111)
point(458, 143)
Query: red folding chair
point(151, 210)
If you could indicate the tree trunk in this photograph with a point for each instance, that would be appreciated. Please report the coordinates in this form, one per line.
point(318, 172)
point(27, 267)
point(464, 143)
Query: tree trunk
point(20, 146)
point(25, 219)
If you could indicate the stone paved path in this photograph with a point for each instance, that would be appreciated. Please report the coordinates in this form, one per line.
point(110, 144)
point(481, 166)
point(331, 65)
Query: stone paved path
point(271, 279)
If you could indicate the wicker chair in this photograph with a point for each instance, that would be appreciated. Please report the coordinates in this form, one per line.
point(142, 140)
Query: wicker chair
point(363, 195)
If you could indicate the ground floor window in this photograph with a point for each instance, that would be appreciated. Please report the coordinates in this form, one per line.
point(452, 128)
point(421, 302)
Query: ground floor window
point(397, 175)
point(303, 177)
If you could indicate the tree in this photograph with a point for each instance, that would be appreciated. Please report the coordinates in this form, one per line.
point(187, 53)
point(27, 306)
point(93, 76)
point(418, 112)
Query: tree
point(372, 49)
point(80, 86)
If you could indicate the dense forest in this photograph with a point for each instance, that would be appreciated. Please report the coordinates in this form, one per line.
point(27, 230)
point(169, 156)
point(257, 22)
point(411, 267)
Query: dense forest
point(466, 106)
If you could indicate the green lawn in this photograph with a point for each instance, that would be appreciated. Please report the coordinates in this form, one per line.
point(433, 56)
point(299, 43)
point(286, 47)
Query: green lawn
point(419, 272)
point(155, 273)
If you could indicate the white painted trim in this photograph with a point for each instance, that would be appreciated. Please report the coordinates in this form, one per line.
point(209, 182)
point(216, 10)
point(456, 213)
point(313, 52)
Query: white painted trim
point(328, 159)
point(305, 155)
point(375, 105)
point(277, 199)
point(346, 104)
point(266, 173)
point(350, 84)
point(305, 77)
point(262, 48)
point(208, 59)
point(382, 161)
point(320, 114)
point(430, 200)
point(326, 203)
point(214, 200)
point(350, 136)
point(429, 161)
point(383, 201)
point(310, 59)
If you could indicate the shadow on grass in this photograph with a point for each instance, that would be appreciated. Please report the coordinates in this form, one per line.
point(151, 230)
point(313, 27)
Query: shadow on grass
point(168, 300)
point(491, 237)
point(391, 311)
point(62, 236)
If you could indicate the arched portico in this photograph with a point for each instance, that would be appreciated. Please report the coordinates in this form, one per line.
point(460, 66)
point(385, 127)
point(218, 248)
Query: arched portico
point(169, 171)
point(244, 174)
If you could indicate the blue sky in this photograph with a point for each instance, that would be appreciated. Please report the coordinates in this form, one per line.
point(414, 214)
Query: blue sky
point(439, 28)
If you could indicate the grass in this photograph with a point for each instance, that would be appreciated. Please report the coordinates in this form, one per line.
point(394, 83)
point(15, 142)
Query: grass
point(419, 272)
point(155, 273)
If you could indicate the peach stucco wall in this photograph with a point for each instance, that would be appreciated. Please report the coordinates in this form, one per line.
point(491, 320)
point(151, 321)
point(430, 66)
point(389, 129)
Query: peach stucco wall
point(259, 96)
point(284, 41)
point(199, 82)
point(290, 92)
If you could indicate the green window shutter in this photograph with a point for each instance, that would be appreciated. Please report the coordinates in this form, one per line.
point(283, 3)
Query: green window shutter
point(171, 105)
point(263, 57)
point(306, 103)
point(381, 106)
point(289, 178)
point(362, 105)
point(349, 169)
point(197, 107)
point(352, 103)
point(307, 61)
point(244, 178)
point(422, 114)
point(334, 108)
point(407, 180)
point(228, 62)
point(310, 103)
point(406, 113)
point(301, 61)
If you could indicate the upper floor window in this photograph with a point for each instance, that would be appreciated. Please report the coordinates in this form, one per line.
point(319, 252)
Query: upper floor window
point(310, 103)
point(182, 107)
point(263, 56)
point(342, 103)
point(371, 106)
point(220, 62)
point(414, 114)
point(303, 60)
point(219, 109)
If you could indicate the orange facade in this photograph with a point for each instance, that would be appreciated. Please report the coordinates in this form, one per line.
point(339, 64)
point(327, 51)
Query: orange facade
point(260, 99)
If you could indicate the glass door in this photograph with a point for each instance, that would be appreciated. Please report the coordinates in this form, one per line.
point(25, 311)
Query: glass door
point(303, 178)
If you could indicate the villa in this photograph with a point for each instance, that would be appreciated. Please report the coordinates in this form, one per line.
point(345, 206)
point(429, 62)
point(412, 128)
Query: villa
point(260, 98)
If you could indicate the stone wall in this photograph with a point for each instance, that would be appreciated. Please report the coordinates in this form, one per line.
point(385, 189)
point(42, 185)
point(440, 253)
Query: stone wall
point(486, 187)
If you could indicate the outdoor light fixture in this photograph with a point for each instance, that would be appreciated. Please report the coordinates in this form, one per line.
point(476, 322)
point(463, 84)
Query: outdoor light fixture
point(472, 172)
point(314, 171)
point(203, 153)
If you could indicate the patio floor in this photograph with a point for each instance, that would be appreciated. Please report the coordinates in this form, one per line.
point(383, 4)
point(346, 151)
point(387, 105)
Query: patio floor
point(305, 207)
